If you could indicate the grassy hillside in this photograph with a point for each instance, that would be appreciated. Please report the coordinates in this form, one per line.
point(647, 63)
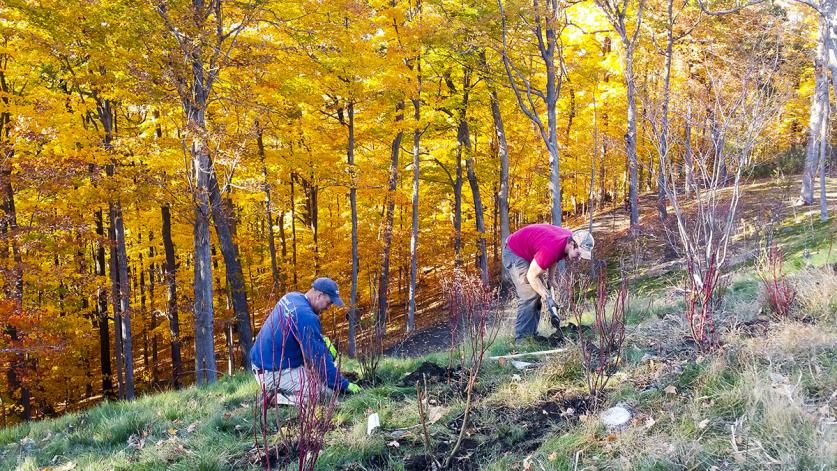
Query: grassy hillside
point(767, 398)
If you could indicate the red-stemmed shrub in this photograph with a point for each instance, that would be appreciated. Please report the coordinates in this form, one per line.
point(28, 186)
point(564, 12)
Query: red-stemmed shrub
point(779, 292)
point(602, 348)
point(470, 303)
point(703, 295)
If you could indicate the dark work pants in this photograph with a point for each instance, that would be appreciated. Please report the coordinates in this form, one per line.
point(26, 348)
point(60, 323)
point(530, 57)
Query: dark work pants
point(528, 300)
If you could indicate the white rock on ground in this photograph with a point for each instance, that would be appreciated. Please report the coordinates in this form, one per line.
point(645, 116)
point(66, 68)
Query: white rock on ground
point(616, 418)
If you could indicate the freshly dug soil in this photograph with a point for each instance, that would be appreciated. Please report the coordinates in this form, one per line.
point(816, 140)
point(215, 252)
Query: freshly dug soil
point(417, 463)
point(540, 420)
point(568, 331)
point(433, 372)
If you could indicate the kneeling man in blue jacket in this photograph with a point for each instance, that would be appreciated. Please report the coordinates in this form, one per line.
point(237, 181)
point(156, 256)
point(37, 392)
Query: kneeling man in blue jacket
point(290, 347)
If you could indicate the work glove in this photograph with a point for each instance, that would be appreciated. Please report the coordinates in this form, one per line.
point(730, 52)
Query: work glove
point(353, 388)
point(553, 312)
point(330, 346)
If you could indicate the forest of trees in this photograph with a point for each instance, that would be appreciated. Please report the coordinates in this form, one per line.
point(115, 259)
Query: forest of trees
point(170, 168)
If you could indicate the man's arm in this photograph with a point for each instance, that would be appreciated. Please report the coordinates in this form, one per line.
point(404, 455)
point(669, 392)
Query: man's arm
point(551, 277)
point(534, 278)
point(315, 350)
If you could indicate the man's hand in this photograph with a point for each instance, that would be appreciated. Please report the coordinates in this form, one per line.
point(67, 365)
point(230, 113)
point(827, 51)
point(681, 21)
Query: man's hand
point(330, 346)
point(553, 312)
point(353, 388)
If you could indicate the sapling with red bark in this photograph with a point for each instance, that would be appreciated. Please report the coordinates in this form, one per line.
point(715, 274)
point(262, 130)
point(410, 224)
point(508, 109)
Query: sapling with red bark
point(740, 102)
point(780, 293)
point(704, 293)
point(602, 348)
point(470, 303)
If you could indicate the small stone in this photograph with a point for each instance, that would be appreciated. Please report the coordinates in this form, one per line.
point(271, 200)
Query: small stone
point(616, 418)
point(522, 365)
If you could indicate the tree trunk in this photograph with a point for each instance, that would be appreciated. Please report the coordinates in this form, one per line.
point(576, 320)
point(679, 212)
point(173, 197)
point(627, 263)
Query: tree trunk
point(606, 49)
point(819, 104)
point(145, 356)
point(553, 89)
point(222, 217)
point(480, 220)
point(124, 293)
point(502, 154)
point(687, 152)
point(14, 281)
point(171, 307)
point(547, 44)
point(719, 152)
point(461, 138)
point(293, 228)
point(350, 159)
point(119, 261)
point(117, 316)
point(383, 282)
point(271, 243)
point(102, 308)
point(228, 339)
point(152, 284)
point(661, 180)
point(630, 135)
point(824, 145)
point(205, 365)
point(411, 309)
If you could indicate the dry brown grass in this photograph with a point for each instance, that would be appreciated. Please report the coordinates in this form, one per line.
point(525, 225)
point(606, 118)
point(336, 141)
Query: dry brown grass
point(779, 428)
point(794, 339)
point(817, 293)
point(530, 389)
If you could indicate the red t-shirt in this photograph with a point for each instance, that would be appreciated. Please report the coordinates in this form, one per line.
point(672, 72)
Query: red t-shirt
point(543, 243)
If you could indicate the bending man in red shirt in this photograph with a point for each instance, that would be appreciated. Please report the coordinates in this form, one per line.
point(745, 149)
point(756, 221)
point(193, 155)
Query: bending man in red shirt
point(531, 252)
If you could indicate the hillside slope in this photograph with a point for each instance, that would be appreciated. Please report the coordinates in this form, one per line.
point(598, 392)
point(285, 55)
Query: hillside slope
point(767, 397)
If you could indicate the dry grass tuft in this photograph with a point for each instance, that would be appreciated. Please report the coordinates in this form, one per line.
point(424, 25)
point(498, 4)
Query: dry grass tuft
point(817, 293)
point(529, 390)
point(794, 338)
point(778, 429)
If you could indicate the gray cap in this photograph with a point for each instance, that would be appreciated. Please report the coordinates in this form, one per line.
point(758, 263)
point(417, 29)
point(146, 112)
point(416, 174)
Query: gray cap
point(585, 242)
point(329, 287)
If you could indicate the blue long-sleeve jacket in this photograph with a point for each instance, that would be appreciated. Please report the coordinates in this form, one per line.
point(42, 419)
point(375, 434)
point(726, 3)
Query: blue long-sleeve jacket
point(290, 334)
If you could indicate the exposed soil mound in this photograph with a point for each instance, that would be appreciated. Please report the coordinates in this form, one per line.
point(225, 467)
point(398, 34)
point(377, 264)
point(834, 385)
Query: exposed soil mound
point(429, 370)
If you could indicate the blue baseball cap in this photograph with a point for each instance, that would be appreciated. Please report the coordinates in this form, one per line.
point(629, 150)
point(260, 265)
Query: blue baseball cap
point(329, 287)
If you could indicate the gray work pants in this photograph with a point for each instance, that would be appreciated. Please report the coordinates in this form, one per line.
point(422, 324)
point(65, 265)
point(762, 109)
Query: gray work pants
point(528, 300)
